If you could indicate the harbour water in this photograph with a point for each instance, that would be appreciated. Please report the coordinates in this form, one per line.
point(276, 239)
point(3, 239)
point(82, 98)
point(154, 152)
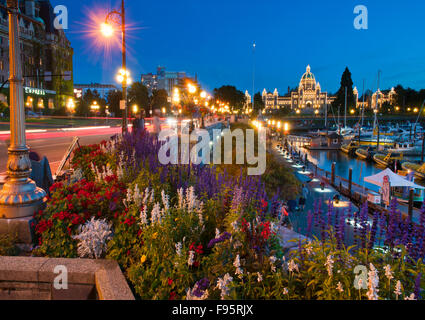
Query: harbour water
point(324, 160)
point(343, 162)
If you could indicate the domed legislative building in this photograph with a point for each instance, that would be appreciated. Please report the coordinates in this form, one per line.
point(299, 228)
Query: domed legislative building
point(308, 98)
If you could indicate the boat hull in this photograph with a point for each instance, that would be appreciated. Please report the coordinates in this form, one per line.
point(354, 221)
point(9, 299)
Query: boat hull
point(414, 167)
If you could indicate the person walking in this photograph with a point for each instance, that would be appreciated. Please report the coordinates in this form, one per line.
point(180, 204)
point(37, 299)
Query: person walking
point(301, 203)
point(156, 123)
point(305, 191)
point(136, 123)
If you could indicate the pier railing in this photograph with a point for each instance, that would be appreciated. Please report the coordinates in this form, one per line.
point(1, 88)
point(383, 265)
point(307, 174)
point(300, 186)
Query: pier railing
point(353, 191)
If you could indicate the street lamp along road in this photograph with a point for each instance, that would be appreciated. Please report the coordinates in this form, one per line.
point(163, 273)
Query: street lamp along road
point(106, 28)
point(19, 197)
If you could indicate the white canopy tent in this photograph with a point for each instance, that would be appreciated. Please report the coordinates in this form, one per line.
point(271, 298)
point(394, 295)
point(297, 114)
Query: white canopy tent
point(395, 180)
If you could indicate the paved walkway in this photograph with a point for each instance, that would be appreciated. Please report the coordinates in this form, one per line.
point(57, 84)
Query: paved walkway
point(299, 218)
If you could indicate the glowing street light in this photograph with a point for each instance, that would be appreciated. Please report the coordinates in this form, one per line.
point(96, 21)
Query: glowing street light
point(70, 105)
point(123, 76)
point(106, 29)
point(135, 108)
point(203, 95)
point(94, 107)
point(191, 88)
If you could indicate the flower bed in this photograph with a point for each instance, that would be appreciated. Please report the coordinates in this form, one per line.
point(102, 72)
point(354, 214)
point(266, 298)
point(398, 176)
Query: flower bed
point(193, 232)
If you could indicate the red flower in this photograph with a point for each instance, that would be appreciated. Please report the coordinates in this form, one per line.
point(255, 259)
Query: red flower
point(264, 203)
point(172, 295)
point(170, 281)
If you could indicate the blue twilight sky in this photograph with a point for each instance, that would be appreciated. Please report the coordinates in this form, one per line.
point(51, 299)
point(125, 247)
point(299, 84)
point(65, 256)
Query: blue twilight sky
point(214, 40)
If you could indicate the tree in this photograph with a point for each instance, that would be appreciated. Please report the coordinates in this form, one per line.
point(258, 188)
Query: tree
point(114, 97)
point(346, 82)
point(258, 102)
point(83, 105)
point(229, 94)
point(159, 99)
point(139, 94)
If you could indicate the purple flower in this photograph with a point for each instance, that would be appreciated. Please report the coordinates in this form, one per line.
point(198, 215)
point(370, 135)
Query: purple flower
point(418, 286)
point(224, 236)
point(201, 286)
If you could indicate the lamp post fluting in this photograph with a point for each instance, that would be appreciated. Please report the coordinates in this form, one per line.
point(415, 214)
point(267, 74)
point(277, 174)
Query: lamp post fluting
point(20, 196)
point(124, 66)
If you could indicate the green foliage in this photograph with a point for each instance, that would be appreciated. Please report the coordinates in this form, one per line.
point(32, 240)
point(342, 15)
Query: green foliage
point(113, 98)
point(159, 100)
point(5, 110)
point(8, 245)
point(229, 94)
point(138, 94)
point(346, 82)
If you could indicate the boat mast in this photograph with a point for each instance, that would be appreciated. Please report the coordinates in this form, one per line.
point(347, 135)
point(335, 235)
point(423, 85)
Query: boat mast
point(376, 125)
point(363, 106)
point(345, 114)
point(326, 112)
point(417, 119)
point(362, 114)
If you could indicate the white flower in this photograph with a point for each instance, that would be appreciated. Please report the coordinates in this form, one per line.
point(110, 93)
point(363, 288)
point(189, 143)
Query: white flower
point(191, 296)
point(93, 238)
point(339, 287)
point(292, 266)
point(217, 233)
point(165, 200)
point(272, 262)
point(144, 216)
point(129, 197)
point(222, 284)
point(411, 297)
point(237, 264)
point(372, 283)
point(309, 249)
point(180, 198)
point(285, 291)
point(145, 197)
point(178, 248)
point(234, 225)
point(156, 213)
point(137, 196)
point(388, 272)
point(329, 264)
point(259, 277)
point(191, 259)
point(397, 290)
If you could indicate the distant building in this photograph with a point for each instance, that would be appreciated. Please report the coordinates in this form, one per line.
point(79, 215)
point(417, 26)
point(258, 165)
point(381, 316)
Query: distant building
point(384, 97)
point(102, 89)
point(308, 98)
point(44, 49)
point(163, 79)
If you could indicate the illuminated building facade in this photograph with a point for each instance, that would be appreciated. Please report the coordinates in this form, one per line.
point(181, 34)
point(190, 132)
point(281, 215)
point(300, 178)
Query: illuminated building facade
point(308, 98)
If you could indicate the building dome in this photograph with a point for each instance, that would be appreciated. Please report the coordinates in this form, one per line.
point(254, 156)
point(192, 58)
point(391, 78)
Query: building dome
point(307, 75)
point(308, 82)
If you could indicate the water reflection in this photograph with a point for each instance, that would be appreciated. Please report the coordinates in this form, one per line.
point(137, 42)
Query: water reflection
point(343, 162)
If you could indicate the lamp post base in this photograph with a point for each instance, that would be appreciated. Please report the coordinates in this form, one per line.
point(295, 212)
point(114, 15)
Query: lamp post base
point(20, 199)
point(21, 228)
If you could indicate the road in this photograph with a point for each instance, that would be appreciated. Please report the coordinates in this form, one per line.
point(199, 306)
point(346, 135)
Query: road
point(53, 145)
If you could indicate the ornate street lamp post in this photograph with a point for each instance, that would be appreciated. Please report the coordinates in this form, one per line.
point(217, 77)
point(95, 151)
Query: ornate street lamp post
point(19, 197)
point(107, 31)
